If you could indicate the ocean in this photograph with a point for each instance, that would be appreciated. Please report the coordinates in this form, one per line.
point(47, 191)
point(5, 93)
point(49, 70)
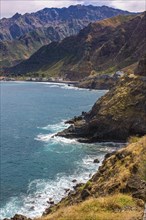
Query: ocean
point(35, 166)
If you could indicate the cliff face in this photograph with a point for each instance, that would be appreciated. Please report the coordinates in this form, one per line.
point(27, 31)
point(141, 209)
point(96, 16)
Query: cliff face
point(102, 46)
point(141, 68)
point(115, 116)
point(22, 35)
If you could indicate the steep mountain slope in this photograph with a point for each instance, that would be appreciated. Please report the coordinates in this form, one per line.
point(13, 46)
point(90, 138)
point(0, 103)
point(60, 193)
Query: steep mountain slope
point(13, 52)
point(102, 46)
point(117, 115)
point(17, 34)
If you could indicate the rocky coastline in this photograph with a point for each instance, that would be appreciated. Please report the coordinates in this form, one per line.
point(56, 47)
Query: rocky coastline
point(122, 174)
point(116, 116)
point(122, 171)
point(99, 82)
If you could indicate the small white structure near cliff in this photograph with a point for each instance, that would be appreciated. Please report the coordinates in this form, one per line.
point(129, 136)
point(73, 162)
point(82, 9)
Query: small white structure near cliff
point(119, 73)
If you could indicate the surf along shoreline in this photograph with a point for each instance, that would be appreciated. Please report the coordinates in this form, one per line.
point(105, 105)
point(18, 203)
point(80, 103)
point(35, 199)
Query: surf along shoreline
point(3, 78)
point(101, 184)
point(103, 82)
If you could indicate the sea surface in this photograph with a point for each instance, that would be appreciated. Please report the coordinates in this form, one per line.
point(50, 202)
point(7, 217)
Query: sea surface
point(35, 166)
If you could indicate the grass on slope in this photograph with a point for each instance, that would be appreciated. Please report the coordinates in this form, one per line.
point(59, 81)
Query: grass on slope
point(116, 207)
point(141, 145)
point(52, 71)
point(115, 21)
point(117, 169)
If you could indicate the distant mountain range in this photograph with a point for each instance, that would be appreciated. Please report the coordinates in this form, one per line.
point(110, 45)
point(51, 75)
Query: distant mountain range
point(101, 47)
point(22, 35)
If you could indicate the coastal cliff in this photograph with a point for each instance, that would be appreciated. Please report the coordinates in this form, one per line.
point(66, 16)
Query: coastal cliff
point(117, 115)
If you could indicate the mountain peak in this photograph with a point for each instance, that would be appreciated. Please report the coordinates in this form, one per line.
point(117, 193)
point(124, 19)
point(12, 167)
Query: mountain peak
point(16, 16)
point(30, 31)
point(76, 6)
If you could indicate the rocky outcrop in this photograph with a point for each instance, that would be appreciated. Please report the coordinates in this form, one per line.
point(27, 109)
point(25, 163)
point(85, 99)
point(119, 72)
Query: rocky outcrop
point(123, 171)
point(141, 68)
point(115, 116)
point(18, 217)
point(102, 81)
point(22, 35)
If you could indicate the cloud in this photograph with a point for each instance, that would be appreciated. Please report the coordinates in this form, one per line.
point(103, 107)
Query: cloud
point(10, 7)
point(129, 5)
point(135, 6)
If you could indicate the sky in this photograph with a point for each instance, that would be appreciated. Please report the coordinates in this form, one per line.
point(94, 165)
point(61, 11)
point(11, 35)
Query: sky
point(9, 7)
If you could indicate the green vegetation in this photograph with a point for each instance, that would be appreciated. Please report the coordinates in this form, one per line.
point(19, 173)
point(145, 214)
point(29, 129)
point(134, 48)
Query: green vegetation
point(110, 70)
point(53, 70)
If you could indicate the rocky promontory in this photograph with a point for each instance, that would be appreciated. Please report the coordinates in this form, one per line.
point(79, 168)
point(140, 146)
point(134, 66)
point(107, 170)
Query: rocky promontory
point(117, 115)
point(100, 81)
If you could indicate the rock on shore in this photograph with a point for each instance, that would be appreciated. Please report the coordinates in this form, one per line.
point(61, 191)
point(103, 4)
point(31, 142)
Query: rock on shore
point(18, 217)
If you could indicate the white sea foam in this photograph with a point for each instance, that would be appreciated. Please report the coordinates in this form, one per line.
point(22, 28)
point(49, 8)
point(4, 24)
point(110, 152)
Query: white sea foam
point(34, 203)
point(55, 139)
point(44, 137)
point(63, 86)
point(52, 139)
point(72, 87)
point(54, 86)
point(55, 127)
point(60, 85)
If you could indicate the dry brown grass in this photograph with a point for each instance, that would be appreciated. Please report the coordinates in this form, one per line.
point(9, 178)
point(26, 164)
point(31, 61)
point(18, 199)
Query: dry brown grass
point(109, 207)
point(116, 207)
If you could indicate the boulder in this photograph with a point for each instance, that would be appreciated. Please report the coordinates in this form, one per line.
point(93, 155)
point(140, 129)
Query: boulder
point(74, 180)
point(96, 161)
point(84, 194)
point(18, 217)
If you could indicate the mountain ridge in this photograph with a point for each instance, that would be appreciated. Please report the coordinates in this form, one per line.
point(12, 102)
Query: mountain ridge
point(102, 46)
point(53, 15)
point(17, 34)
